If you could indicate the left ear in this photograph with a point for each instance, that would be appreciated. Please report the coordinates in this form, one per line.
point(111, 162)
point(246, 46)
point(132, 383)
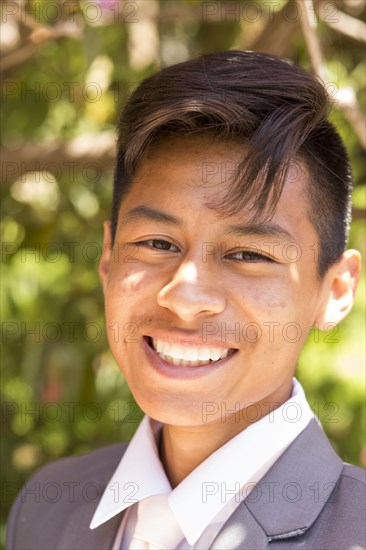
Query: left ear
point(341, 284)
point(105, 259)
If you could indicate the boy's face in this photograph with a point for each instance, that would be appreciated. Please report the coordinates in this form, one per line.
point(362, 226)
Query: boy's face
point(195, 283)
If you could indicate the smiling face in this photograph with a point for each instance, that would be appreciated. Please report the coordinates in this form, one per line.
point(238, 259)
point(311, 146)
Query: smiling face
point(181, 278)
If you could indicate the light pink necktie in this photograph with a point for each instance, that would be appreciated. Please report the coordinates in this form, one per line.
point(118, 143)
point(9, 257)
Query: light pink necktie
point(156, 527)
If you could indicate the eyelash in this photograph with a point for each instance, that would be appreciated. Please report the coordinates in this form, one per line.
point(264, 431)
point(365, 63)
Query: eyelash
point(255, 256)
point(144, 243)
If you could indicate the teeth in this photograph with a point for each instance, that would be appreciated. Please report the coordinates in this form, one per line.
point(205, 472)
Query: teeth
point(173, 351)
point(216, 354)
point(159, 346)
point(204, 354)
point(182, 362)
point(189, 356)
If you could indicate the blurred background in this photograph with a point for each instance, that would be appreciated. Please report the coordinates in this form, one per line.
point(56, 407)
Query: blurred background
point(67, 68)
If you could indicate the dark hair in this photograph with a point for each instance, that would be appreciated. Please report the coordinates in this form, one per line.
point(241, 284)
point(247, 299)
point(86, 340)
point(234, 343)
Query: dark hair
point(277, 109)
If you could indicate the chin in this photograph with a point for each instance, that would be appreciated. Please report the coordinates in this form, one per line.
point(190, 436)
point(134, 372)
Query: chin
point(171, 411)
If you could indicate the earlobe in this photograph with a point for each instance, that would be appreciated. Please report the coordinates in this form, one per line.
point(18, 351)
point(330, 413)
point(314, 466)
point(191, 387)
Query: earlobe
point(344, 278)
point(104, 262)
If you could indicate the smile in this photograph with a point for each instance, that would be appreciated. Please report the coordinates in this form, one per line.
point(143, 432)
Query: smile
point(191, 356)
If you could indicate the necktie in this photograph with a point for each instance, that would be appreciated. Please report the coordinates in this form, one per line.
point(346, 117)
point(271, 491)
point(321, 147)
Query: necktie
point(156, 527)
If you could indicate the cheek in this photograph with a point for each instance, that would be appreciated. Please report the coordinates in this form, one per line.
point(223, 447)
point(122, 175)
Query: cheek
point(266, 300)
point(272, 300)
point(131, 293)
point(128, 282)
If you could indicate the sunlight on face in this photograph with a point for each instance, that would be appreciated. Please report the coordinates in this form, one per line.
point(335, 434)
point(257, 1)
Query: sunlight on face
point(189, 273)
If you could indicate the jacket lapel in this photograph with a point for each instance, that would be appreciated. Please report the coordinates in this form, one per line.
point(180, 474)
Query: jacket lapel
point(78, 536)
point(240, 532)
point(289, 498)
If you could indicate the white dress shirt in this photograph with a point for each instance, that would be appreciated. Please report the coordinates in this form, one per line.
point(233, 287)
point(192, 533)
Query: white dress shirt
point(206, 498)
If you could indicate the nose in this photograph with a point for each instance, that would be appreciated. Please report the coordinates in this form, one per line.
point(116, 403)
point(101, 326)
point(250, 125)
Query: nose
point(190, 294)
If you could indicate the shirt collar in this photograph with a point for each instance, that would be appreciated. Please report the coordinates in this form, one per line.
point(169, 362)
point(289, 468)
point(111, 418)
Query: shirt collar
point(139, 474)
point(199, 497)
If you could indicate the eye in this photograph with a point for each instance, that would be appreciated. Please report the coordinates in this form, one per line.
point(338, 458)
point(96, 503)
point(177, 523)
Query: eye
point(159, 244)
point(249, 256)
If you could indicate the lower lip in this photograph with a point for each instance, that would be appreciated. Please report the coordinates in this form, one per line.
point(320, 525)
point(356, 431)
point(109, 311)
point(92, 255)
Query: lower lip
point(182, 372)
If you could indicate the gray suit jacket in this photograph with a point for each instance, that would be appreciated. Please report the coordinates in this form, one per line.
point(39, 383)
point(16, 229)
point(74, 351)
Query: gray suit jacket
point(309, 499)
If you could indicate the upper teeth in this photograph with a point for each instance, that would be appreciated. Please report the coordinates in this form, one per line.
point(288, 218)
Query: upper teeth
point(189, 353)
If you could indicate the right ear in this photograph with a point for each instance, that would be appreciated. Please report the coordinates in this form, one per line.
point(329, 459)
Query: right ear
point(105, 259)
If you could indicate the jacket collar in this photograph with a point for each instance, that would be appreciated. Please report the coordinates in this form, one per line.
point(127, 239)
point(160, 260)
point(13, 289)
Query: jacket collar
point(289, 498)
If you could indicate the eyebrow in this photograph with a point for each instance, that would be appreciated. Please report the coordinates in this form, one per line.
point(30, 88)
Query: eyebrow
point(146, 212)
point(239, 230)
point(265, 229)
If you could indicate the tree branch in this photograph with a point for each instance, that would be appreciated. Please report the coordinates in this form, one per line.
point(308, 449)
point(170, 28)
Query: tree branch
point(38, 36)
point(345, 99)
point(344, 23)
point(308, 25)
point(276, 36)
point(358, 213)
point(59, 158)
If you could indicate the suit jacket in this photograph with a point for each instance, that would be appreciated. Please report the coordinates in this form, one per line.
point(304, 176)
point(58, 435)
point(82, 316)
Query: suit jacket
point(309, 499)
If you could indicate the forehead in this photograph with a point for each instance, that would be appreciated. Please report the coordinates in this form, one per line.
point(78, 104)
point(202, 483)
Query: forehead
point(203, 169)
point(205, 155)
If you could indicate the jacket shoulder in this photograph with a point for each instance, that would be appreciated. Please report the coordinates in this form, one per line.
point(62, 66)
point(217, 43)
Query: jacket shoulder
point(342, 523)
point(75, 467)
point(55, 491)
point(354, 473)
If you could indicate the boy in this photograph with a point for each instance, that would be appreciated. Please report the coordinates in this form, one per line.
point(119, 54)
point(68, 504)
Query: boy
point(227, 243)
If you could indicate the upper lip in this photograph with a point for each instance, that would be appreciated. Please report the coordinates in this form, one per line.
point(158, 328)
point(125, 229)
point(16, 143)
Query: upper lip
point(192, 340)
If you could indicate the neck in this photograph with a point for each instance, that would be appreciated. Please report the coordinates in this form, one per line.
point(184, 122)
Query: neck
point(183, 448)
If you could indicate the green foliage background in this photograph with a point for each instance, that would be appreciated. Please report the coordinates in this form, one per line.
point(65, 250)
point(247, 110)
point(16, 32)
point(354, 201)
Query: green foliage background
point(61, 391)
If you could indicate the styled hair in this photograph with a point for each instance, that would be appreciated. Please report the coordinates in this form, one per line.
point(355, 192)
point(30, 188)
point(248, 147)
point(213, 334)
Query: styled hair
point(277, 110)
